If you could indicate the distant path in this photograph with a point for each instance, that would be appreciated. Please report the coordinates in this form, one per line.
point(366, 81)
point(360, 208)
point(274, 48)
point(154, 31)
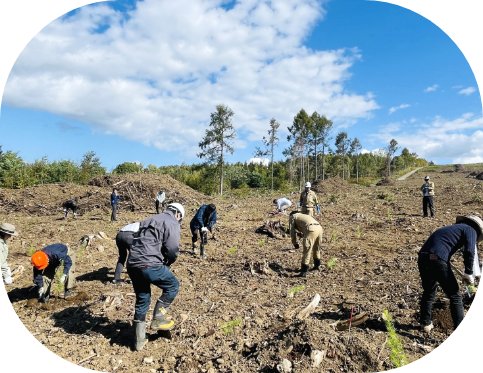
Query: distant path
point(409, 174)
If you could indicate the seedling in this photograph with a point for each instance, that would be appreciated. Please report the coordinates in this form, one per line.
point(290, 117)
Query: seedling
point(389, 216)
point(230, 326)
point(328, 214)
point(397, 356)
point(334, 198)
point(261, 242)
point(232, 250)
point(331, 264)
point(81, 250)
point(334, 237)
point(359, 233)
point(296, 289)
point(472, 289)
point(31, 250)
point(60, 271)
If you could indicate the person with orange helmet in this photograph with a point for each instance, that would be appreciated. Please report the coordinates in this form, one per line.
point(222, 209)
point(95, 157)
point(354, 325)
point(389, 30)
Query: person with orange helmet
point(46, 262)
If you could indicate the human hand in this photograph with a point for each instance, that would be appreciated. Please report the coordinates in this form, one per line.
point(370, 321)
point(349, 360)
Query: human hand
point(8, 280)
point(469, 278)
point(62, 279)
point(41, 292)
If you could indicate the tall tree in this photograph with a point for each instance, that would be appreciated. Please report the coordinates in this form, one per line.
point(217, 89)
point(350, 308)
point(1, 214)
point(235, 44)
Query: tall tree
point(90, 167)
point(391, 149)
point(299, 133)
point(342, 144)
point(355, 149)
point(217, 136)
point(270, 142)
point(320, 129)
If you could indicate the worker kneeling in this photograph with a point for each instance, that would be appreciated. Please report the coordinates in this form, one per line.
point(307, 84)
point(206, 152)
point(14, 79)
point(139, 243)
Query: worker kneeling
point(312, 239)
point(46, 263)
point(155, 247)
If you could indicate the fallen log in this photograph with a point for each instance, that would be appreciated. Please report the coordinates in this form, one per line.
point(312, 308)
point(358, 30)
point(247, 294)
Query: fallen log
point(356, 321)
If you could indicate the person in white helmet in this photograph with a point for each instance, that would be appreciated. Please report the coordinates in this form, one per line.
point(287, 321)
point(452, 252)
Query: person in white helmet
point(154, 249)
point(428, 196)
point(308, 200)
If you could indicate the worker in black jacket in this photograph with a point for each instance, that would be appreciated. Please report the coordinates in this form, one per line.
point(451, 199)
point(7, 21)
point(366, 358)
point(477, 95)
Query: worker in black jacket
point(46, 263)
point(434, 265)
point(155, 247)
point(70, 204)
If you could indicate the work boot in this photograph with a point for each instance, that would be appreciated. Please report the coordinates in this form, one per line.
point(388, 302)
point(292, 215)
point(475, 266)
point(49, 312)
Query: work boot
point(202, 253)
point(159, 322)
point(68, 293)
point(427, 328)
point(117, 274)
point(195, 249)
point(44, 298)
point(303, 271)
point(317, 265)
point(139, 334)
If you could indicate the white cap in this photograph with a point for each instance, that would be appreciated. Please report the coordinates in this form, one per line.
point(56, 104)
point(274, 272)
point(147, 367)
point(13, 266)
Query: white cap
point(308, 185)
point(178, 207)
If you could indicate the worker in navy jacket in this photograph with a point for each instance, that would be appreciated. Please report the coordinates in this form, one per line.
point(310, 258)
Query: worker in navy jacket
point(202, 222)
point(434, 265)
point(46, 263)
point(114, 198)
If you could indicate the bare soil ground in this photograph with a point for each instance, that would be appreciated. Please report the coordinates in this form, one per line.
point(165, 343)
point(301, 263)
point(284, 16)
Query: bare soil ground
point(374, 232)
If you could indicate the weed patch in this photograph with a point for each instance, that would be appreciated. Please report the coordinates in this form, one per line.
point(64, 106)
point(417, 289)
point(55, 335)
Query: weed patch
point(230, 326)
point(332, 263)
point(233, 250)
point(296, 289)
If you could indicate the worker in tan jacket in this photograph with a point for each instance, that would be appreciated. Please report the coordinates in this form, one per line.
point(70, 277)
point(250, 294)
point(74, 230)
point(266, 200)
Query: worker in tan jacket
point(312, 239)
point(308, 200)
point(428, 197)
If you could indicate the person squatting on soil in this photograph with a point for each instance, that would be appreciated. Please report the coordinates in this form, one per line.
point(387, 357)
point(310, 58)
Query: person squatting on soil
point(114, 198)
point(155, 247)
point(308, 200)
point(434, 265)
point(46, 263)
point(6, 231)
point(202, 222)
point(160, 197)
point(70, 204)
point(428, 195)
point(124, 241)
point(282, 204)
point(312, 239)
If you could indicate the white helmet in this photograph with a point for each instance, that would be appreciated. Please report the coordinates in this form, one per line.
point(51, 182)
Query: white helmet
point(427, 177)
point(308, 185)
point(177, 207)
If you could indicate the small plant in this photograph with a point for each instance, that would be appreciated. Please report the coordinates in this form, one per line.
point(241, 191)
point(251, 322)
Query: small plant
point(331, 264)
point(397, 356)
point(334, 237)
point(296, 289)
point(232, 250)
point(31, 250)
point(477, 198)
point(261, 242)
point(61, 228)
point(230, 326)
point(358, 231)
point(389, 216)
point(334, 198)
point(472, 289)
point(60, 271)
point(328, 214)
point(36, 219)
point(81, 250)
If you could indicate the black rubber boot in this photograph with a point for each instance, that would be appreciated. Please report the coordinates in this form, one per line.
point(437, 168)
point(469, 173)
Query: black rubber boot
point(303, 271)
point(117, 274)
point(195, 249)
point(139, 334)
point(159, 322)
point(317, 265)
point(202, 252)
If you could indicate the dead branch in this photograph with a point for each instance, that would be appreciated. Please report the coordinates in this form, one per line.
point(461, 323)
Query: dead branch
point(310, 308)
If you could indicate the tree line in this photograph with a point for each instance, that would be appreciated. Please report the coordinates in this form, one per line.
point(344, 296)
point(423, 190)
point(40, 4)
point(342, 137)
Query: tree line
point(310, 156)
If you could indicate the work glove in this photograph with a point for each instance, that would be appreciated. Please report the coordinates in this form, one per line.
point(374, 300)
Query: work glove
point(469, 278)
point(318, 209)
point(8, 280)
point(41, 291)
point(204, 229)
point(9, 272)
point(298, 203)
point(62, 279)
point(296, 246)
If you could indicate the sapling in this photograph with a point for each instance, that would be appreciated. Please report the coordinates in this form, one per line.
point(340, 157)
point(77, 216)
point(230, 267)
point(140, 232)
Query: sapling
point(296, 289)
point(332, 263)
point(60, 271)
point(261, 242)
point(31, 250)
point(397, 356)
point(358, 231)
point(230, 326)
point(232, 250)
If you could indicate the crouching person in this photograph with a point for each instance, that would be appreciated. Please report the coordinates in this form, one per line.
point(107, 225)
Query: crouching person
point(6, 231)
point(46, 263)
point(202, 222)
point(124, 241)
point(155, 247)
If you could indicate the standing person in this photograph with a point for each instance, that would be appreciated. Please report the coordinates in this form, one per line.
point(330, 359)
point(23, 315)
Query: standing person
point(308, 200)
point(6, 231)
point(282, 204)
point(160, 197)
point(155, 247)
point(114, 198)
point(312, 239)
point(46, 263)
point(202, 222)
point(428, 194)
point(124, 241)
point(434, 265)
point(70, 204)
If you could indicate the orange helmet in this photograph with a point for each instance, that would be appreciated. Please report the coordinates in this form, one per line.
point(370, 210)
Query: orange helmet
point(40, 260)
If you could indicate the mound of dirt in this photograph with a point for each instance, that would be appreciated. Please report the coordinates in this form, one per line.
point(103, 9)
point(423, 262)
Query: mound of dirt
point(386, 182)
point(479, 176)
point(334, 185)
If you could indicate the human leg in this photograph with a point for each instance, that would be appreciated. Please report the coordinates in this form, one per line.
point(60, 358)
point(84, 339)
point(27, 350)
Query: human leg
point(447, 280)
point(163, 278)
point(425, 206)
point(430, 287)
point(431, 205)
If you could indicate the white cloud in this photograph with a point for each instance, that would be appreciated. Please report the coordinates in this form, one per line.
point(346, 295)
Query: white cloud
point(456, 86)
point(155, 76)
point(395, 108)
point(256, 160)
point(433, 88)
point(467, 91)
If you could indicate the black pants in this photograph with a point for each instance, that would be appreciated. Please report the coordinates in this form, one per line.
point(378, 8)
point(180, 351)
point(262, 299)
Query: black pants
point(157, 207)
point(428, 200)
point(434, 272)
point(114, 210)
point(66, 211)
point(123, 243)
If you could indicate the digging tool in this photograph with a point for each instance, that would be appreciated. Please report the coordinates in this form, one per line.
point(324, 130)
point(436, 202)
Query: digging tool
point(350, 324)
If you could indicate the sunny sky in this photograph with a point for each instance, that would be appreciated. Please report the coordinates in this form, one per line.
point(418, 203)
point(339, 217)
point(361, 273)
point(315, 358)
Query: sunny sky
point(137, 80)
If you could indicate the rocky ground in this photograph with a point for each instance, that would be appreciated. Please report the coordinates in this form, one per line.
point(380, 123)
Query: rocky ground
point(237, 310)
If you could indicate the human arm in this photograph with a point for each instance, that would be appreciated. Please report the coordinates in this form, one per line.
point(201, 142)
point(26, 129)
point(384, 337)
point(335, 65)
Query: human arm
point(212, 220)
point(170, 244)
point(469, 250)
point(3, 259)
point(38, 278)
point(293, 235)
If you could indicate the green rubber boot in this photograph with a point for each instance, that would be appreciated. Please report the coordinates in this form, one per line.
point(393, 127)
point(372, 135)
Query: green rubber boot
point(139, 334)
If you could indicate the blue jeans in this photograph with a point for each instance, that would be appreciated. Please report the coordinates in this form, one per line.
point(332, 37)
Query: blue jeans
point(434, 273)
point(142, 280)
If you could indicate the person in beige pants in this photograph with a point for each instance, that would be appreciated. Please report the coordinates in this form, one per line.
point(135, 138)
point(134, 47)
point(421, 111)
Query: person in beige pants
point(312, 239)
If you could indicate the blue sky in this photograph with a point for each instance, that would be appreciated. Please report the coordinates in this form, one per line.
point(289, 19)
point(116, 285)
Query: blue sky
point(137, 82)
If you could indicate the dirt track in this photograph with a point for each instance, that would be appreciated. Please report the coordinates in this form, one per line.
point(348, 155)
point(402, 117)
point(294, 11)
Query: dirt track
point(375, 270)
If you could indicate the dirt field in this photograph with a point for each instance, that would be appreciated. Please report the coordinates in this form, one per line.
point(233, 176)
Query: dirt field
point(246, 279)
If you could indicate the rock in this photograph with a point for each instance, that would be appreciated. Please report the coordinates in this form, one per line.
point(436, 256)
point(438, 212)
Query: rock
point(211, 370)
point(285, 366)
point(183, 317)
point(100, 248)
point(259, 321)
point(220, 361)
point(148, 360)
point(152, 370)
point(316, 357)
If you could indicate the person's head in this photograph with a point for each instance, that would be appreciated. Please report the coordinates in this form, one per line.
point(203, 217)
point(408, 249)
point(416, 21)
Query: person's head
point(7, 230)
point(40, 260)
point(275, 201)
point(177, 209)
point(210, 208)
point(426, 178)
point(114, 191)
point(474, 222)
point(307, 186)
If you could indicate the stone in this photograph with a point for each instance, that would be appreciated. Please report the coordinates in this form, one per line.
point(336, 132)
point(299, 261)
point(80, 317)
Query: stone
point(220, 361)
point(316, 357)
point(285, 366)
point(148, 360)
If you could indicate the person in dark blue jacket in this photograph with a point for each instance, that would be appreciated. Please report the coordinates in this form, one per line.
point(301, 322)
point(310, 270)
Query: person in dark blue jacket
point(46, 263)
point(114, 198)
point(434, 265)
point(203, 221)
